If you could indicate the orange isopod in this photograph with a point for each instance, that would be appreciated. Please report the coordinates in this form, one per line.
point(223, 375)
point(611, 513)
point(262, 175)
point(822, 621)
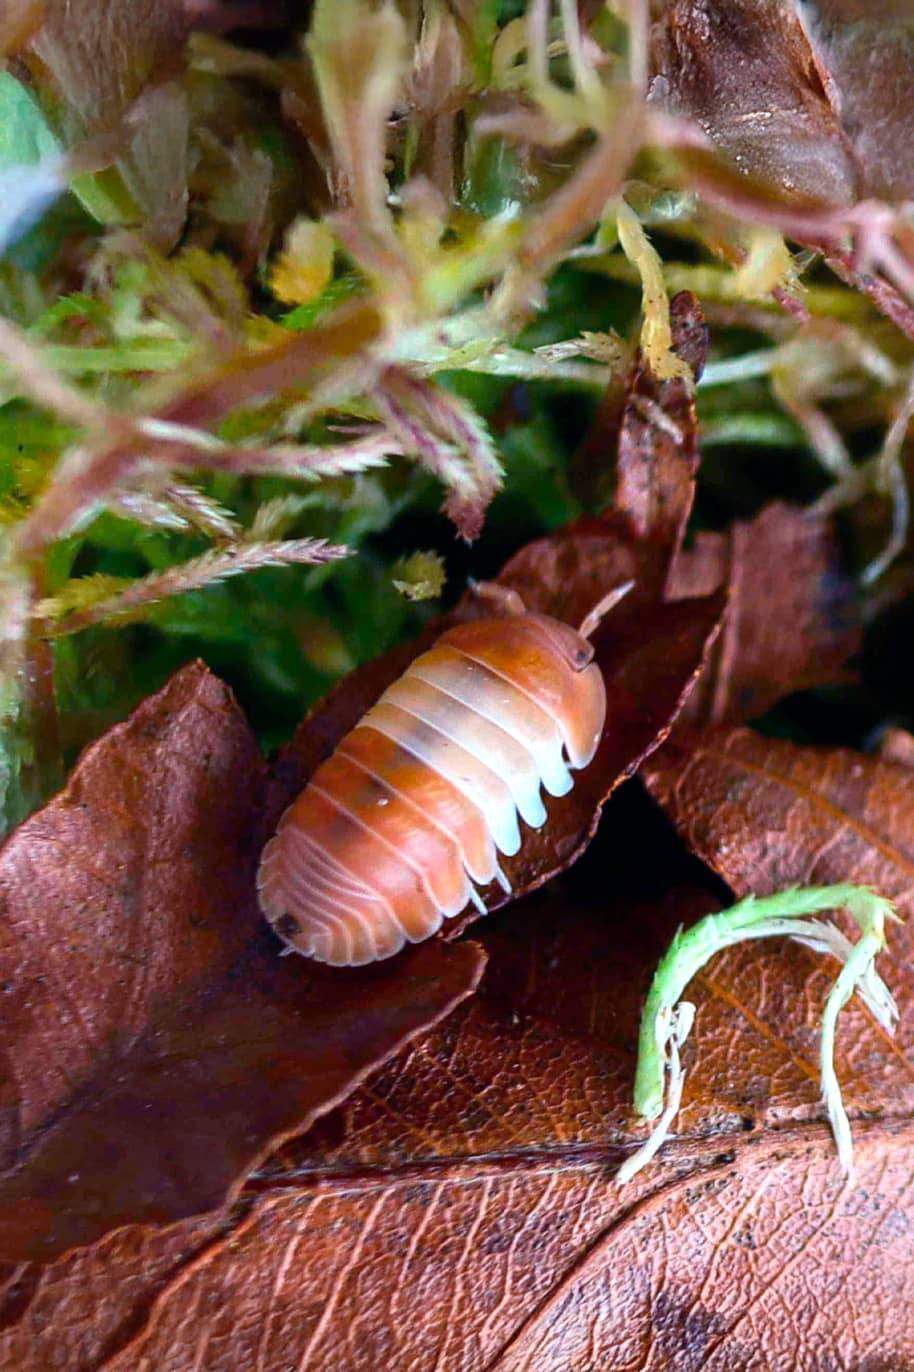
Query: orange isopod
point(395, 831)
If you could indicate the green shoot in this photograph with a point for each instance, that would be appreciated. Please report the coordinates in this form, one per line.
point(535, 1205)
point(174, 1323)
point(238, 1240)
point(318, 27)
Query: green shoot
point(667, 1020)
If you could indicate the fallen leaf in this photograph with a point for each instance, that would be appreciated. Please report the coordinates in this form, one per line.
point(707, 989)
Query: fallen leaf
point(747, 74)
point(793, 612)
point(543, 1268)
point(640, 455)
point(155, 1044)
point(814, 100)
point(756, 809)
point(82, 1309)
point(867, 50)
point(548, 1269)
point(459, 1211)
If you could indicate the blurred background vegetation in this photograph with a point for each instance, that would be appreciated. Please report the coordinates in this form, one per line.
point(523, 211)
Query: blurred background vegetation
point(476, 212)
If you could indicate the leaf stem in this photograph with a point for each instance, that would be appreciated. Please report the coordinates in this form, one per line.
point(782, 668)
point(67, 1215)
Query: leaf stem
point(663, 1030)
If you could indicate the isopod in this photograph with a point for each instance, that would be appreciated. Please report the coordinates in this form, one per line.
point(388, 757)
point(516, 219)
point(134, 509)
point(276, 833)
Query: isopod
point(395, 832)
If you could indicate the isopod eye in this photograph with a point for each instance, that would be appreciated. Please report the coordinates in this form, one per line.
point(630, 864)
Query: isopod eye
point(287, 926)
point(562, 639)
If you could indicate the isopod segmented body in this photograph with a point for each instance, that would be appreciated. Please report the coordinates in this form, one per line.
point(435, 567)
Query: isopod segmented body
point(397, 829)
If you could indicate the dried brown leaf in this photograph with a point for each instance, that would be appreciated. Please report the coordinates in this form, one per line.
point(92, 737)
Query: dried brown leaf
point(810, 106)
point(782, 568)
point(641, 453)
point(458, 1212)
point(533, 1269)
point(746, 73)
point(868, 56)
point(793, 612)
point(658, 448)
point(155, 1043)
point(83, 1308)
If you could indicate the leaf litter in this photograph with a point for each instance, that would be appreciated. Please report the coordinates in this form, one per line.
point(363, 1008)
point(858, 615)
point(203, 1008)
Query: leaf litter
point(122, 1040)
point(473, 1174)
point(399, 1140)
point(216, 1033)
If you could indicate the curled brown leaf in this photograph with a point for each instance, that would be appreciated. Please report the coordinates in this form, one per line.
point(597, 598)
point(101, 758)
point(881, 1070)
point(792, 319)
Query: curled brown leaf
point(747, 74)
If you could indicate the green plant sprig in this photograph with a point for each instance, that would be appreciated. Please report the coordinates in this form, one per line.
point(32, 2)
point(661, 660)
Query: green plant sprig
point(667, 1019)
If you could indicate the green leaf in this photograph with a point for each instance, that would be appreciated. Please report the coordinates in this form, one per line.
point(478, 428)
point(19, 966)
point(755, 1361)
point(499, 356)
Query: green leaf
point(306, 316)
point(483, 26)
point(25, 136)
point(105, 196)
point(31, 176)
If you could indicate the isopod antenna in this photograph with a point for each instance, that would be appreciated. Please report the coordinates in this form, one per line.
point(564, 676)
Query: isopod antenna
point(592, 620)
